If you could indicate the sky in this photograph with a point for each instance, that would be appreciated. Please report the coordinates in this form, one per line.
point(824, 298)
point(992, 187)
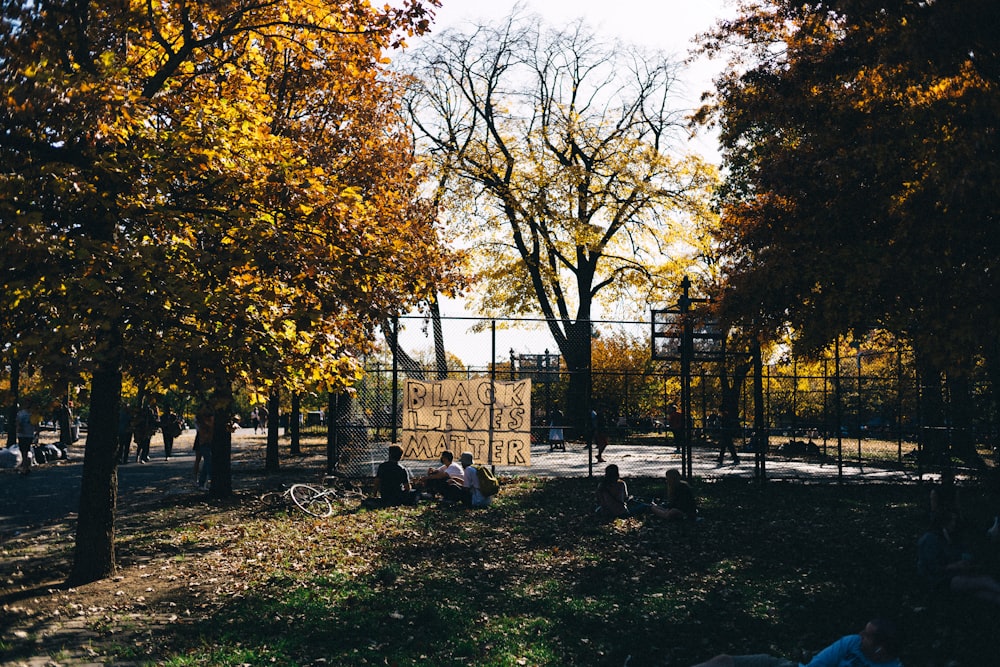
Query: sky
point(666, 25)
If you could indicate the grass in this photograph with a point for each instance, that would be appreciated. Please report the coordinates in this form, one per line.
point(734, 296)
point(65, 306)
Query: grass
point(534, 580)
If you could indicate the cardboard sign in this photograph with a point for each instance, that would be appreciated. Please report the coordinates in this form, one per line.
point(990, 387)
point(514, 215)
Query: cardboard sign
point(490, 419)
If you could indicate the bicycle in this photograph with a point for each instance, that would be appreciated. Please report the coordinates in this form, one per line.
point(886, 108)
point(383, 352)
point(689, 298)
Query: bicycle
point(313, 500)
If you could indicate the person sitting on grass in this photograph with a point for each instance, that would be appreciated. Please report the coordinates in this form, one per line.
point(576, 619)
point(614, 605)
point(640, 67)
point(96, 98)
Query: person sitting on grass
point(947, 567)
point(613, 499)
point(680, 505)
point(446, 480)
point(945, 498)
point(472, 495)
point(875, 646)
point(392, 481)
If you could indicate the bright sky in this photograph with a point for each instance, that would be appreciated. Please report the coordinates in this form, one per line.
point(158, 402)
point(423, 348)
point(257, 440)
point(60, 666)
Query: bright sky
point(665, 25)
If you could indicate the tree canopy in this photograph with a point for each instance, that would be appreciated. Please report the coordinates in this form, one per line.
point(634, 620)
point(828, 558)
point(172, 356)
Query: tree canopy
point(860, 143)
point(559, 158)
point(209, 192)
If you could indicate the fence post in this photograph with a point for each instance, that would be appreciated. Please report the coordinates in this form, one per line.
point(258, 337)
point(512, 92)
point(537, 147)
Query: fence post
point(860, 416)
point(493, 390)
point(395, 381)
point(332, 443)
point(761, 437)
point(838, 411)
point(826, 404)
point(899, 403)
point(687, 467)
point(295, 444)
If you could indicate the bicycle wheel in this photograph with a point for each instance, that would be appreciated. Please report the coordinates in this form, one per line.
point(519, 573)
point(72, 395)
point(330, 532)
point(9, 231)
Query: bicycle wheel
point(272, 499)
point(311, 500)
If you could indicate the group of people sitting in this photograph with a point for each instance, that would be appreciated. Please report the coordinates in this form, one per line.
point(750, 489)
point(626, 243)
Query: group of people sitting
point(452, 483)
point(945, 557)
point(877, 645)
point(614, 501)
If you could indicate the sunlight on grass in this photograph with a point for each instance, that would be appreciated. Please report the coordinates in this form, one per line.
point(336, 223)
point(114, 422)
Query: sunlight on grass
point(538, 580)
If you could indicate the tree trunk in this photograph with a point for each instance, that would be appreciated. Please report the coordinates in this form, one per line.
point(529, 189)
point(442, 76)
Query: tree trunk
point(222, 441)
point(577, 352)
point(440, 356)
point(404, 362)
point(294, 419)
point(963, 442)
point(992, 356)
point(273, 406)
point(332, 444)
point(732, 386)
point(933, 421)
point(15, 397)
point(271, 454)
point(94, 555)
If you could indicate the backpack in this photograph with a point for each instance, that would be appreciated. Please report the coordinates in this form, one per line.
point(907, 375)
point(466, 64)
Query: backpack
point(489, 485)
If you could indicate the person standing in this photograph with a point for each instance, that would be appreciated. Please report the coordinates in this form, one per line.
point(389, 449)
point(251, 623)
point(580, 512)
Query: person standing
point(557, 436)
point(144, 425)
point(26, 435)
point(124, 432)
point(204, 432)
point(64, 417)
point(170, 426)
point(600, 430)
point(675, 422)
point(727, 428)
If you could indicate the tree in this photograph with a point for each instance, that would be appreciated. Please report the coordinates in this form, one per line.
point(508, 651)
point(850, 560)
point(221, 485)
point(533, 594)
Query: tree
point(558, 154)
point(624, 380)
point(860, 141)
point(191, 191)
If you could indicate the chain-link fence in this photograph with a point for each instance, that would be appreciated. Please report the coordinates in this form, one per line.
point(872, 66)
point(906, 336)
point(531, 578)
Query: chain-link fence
point(597, 393)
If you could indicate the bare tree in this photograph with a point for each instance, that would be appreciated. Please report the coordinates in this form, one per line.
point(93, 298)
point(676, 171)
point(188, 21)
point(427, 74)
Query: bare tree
point(558, 154)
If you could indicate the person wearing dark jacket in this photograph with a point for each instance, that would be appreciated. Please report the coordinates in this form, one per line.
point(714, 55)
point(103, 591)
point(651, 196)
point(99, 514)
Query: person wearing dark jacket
point(680, 504)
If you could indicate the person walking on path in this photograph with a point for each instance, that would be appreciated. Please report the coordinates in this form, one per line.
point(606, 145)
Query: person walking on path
point(26, 436)
point(727, 427)
point(124, 432)
point(675, 422)
point(170, 426)
point(64, 417)
point(144, 425)
point(205, 431)
point(599, 430)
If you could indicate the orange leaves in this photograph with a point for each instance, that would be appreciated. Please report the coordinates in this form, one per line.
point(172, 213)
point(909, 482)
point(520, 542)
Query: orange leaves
point(260, 205)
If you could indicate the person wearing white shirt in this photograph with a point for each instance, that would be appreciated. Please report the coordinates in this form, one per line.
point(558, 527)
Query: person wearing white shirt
point(445, 480)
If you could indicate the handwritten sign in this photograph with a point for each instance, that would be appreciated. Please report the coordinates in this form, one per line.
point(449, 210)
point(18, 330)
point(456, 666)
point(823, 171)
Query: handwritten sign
point(456, 415)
